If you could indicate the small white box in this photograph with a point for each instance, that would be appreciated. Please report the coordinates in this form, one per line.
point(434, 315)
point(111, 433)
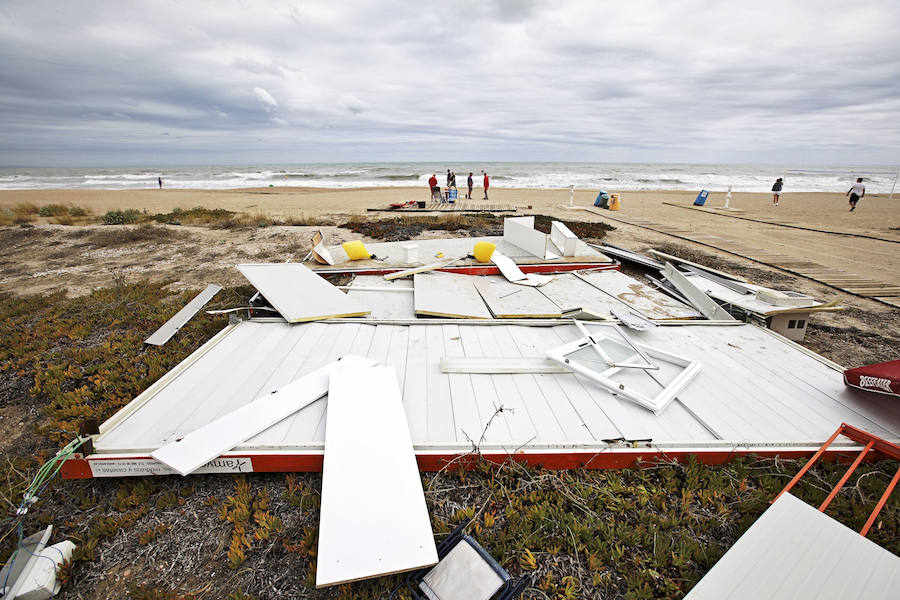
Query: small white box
point(410, 253)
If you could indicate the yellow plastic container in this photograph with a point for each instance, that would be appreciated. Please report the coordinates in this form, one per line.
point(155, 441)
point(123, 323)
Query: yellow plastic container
point(355, 250)
point(614, 202)
point(484, 251)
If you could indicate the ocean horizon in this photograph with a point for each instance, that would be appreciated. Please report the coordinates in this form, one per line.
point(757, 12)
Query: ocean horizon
point(535, 175)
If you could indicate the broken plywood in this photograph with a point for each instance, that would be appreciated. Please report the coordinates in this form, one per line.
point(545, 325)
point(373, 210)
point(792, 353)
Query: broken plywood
point(696, 296)
point(387, 299)
point(373, 520)
point(641, 297)
point(299, 294)
point(448, 295)
point(510, 301)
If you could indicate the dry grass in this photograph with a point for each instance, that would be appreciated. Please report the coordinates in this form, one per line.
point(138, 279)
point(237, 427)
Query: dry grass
point(118, 236)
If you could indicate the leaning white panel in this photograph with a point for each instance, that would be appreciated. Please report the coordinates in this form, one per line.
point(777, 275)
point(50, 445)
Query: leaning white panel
point(520, 232)
point(658, 403)
point(171, 327)
point(795, 551)
point(299, 294)
point(373, 520)
point(209, 441)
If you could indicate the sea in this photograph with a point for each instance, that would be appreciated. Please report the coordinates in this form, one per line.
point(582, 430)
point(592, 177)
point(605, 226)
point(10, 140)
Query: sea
point(540, 175)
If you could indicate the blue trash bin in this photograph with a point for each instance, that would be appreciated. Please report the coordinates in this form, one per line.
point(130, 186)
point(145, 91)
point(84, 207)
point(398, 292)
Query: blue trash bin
point(701, 198)
point(602, 199)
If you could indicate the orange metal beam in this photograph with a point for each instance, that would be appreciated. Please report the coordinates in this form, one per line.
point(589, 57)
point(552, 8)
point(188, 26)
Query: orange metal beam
point(890, 488)
point(809, 464)
point(840, 484)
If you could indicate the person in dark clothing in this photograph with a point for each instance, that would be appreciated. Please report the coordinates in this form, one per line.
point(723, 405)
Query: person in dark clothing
point(776, 191)
point(160, 182)
point(471, 183)
point(452, 182)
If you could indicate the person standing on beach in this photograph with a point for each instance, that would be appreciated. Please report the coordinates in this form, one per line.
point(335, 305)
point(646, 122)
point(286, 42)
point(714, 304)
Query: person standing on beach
point(487, 184)
point(432, 184)
point(452, 182)
point(160, 182)
point(471, 183)
point(856, 193)
point(776, 191)
point(449, 178)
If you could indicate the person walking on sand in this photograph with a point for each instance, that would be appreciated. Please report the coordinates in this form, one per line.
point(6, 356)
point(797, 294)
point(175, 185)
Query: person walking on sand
point(160, 182)
point(776, 191)
point(856, 193)
point(471, 184)
point(487, 184)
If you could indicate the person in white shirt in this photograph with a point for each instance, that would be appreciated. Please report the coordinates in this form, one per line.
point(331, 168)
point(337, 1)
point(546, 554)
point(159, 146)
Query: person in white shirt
point(856, 193)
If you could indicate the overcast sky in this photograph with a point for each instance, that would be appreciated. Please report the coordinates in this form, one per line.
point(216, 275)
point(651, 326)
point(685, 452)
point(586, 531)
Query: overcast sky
point(165, 83)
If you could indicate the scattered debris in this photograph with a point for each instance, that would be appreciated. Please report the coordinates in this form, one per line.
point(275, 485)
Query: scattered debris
point(171, 327)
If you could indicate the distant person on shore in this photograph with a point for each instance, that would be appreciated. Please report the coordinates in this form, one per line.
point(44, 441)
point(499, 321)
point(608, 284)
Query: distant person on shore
point(487, 184)
point(449, 178)
point(471, 184)
point(433, 184)
point(160, 182)
point(452, 182)
point(776, 191)
point(856, 193)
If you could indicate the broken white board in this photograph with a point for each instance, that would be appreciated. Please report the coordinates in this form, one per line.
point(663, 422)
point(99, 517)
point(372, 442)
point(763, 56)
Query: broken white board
point(171, 327)
point(500, 365)
point(373, 520)
point(696, 296)
point(572, 294)
point(448, 295)
point(513, 273)
point(321, 253)
point(423, 269)
point(563, 238)
point(640, 297)
point(795, 551)
point(510, 301)
point(520, 232)
point(209, 441)
point(299, 294)
point(387, 299)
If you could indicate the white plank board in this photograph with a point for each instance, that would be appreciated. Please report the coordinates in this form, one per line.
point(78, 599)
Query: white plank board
point(520, 232)
point(448, 295)
point(299, 294)
point(171, 327)
point(698, 298)
point(373, 519)
point(510, 301)
point(639, 296)
point(462, 364)
point(794, 551)
point(209, 441)
point(391, 304)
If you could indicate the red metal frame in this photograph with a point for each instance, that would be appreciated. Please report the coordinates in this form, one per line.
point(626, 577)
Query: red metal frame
point(872, 443)
point(480, 269)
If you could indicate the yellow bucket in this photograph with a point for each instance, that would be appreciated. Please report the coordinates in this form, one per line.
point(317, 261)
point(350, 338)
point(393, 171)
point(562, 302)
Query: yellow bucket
point(483, 251)
point(614, 202)
point(355, 250)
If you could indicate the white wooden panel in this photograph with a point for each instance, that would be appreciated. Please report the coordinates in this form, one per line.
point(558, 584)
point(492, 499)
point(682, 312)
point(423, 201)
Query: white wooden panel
point(384, 305)
point(299, 294)
point(510, 301)
point(171, 327)
point(439, 407)
point(449, 295)
point(415, 385)
point(563, 238)
point(206, 443)
point(782, 556)
point(642, 298)
point(698, 298)
point(373, 519)
point(520, 231)
point(466, 414)
point(461, 364)
point(570, 293)
point(486, 400)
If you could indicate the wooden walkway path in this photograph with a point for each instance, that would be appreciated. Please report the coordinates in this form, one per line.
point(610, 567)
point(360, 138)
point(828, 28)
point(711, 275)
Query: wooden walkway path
point(881, 291)
point(783, 224)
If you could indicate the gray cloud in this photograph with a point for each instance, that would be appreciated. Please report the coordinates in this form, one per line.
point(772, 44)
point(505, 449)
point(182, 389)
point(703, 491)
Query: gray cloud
point(89, 82)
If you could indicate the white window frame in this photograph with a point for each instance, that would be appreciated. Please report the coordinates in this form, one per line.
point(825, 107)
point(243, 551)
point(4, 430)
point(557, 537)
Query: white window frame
point(658, 403)
point(592, 339)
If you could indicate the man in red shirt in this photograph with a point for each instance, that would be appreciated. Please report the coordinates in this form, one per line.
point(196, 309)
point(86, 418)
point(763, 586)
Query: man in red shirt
point(432, 184)
point(487, 184)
